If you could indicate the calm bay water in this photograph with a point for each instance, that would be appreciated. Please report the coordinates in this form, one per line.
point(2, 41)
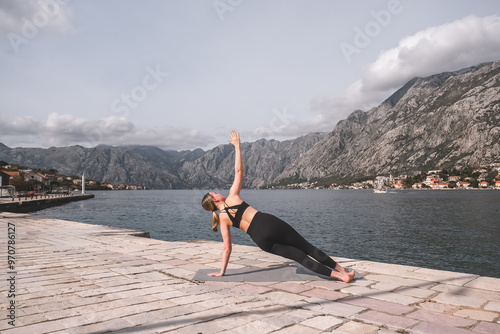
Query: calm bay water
point(447, 230)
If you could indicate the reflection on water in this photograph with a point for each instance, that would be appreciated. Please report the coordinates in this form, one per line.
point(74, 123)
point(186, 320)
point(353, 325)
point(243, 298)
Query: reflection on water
point(447, 230)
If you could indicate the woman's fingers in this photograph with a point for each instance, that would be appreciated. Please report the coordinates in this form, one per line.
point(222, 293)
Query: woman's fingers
point(235, 137)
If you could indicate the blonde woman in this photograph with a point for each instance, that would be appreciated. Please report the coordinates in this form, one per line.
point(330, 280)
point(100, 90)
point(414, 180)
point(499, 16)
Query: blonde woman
point(270, 233)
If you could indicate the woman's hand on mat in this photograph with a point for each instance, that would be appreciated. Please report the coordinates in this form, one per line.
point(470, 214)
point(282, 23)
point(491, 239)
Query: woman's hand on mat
point(217, 274)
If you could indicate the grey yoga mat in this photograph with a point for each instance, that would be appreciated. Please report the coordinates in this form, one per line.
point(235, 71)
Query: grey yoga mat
point(278, 273)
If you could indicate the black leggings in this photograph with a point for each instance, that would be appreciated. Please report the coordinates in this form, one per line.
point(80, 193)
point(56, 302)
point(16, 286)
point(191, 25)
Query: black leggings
point(275, 236)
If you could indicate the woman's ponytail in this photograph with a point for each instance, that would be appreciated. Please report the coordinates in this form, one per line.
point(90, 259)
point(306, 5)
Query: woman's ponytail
point(208, 204)
point(215, 221)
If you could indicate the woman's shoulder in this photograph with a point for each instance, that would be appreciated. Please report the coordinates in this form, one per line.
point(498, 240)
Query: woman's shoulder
point(233, 200)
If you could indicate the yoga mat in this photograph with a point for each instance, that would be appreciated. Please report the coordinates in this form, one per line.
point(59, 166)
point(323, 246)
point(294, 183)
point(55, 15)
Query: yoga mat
point(279, 273)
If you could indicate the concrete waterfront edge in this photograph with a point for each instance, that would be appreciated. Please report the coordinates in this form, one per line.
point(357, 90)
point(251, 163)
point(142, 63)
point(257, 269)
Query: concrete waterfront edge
point(80, 278)
point(29, 205)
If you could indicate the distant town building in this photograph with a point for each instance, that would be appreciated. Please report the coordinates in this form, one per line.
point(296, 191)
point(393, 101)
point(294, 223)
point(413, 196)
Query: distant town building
point(417, 185)
point(484, 184)
point(398, 186)
point(4, 178)
point(30, 175)
point(12, 174)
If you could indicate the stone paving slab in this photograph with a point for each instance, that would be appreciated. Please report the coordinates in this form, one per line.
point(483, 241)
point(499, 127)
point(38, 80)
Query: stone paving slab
point(69, 277)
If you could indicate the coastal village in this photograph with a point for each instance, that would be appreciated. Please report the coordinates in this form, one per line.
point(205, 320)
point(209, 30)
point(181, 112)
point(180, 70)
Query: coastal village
point(15, 179)
point(484, 177)
point(22, 180)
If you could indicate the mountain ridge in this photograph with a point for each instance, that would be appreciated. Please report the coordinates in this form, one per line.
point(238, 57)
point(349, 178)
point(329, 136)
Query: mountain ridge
point(449, 119)
point(443, 120)
point(160, 169)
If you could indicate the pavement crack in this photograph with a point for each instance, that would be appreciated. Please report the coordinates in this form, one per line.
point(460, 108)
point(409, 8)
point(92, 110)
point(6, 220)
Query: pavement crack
point(181, 278)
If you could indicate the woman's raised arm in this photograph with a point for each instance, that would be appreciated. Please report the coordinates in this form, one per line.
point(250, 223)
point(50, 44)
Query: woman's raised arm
point(238, 165)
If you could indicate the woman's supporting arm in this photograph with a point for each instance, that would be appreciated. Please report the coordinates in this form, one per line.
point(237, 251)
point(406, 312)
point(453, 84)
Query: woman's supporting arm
point(226, 249)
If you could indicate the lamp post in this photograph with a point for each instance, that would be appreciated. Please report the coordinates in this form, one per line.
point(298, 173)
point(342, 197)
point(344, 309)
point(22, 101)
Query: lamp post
point(83, 183)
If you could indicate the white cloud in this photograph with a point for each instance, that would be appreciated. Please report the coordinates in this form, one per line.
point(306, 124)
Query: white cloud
point(19, 125)
point(448, 47)
point(28, 16)
point(66, 130)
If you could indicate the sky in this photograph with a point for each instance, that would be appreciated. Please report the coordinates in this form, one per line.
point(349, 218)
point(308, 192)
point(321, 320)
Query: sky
point(180, 74)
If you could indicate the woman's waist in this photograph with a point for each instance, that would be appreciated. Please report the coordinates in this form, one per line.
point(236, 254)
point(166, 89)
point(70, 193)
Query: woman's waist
point(248, 217)
point(257, 218)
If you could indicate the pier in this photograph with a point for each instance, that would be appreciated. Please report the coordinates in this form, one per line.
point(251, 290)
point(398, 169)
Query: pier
point(38, 202)
point(69, 277)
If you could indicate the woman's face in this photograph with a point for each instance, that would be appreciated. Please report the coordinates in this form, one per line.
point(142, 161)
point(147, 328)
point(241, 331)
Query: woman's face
point(217, 197)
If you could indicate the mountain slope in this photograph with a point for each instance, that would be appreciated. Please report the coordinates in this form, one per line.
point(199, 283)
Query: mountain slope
point(263, 160)
point(444, 120)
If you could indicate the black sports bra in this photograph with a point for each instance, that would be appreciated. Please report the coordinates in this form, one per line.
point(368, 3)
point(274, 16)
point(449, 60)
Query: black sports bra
point(240, 209)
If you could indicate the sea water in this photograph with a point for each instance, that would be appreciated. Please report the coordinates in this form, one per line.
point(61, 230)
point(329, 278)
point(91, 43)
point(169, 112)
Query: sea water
point(456, 230)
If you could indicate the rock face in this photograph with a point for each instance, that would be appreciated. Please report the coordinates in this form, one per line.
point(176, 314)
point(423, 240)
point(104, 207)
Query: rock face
point(158, 169)
point(264, 161)
point(444, 120)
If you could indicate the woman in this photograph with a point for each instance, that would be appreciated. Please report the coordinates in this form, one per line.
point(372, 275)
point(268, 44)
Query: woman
point(270, 233)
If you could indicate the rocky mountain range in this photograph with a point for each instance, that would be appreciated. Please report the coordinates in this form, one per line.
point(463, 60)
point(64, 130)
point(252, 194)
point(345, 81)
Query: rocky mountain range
point(449, 119)
point(445, 120)
point(158, 169)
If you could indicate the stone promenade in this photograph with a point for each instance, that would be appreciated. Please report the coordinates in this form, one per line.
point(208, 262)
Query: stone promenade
point(70, 277)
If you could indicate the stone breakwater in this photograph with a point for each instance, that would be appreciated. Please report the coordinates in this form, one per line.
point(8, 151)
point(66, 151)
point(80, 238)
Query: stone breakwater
point(69, 277)
point(26, 204)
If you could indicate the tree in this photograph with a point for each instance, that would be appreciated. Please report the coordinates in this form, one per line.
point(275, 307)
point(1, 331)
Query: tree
point(408, 182)
point(491, 178)
point(473, 182)
point(18, 182)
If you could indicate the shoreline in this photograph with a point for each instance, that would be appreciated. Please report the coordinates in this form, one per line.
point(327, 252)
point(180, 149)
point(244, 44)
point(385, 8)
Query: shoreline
point(209, 189)
point(71, 277)
point(20, 205)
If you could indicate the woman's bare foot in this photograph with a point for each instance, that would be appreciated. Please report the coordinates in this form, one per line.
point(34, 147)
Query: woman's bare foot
point(350, 276)
point(342, 274)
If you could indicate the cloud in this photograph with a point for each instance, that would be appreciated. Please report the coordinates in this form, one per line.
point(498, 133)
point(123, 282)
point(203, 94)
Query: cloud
point(20, 125)
point(28, 16)
point(291, 128)
point(67, 130)
point(448, 47)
